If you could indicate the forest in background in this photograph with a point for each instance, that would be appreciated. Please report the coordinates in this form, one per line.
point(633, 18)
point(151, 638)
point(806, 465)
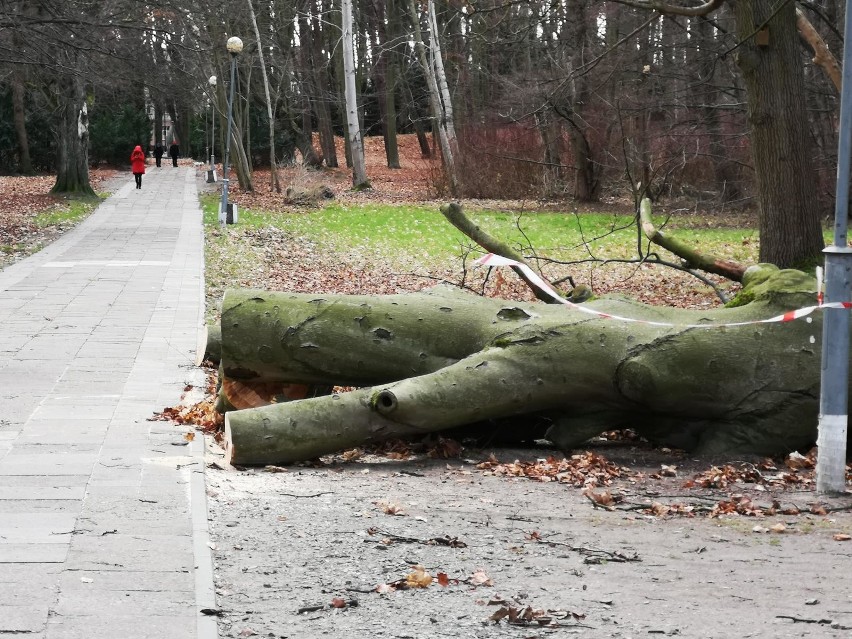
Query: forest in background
point(721, 103)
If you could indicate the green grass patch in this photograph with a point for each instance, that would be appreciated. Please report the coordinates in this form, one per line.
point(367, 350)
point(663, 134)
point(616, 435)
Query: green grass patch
point(424, 232)
point(69, 213)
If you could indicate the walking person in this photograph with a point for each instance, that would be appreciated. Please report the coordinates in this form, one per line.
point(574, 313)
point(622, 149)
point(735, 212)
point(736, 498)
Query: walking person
point(174, 152)
point(159, 152)
point(137, 165)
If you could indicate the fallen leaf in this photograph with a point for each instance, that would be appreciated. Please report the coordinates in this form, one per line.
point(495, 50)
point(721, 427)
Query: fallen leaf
point(797, 460)
point(389, 508)
point(778, 528)
point(818, 509)
point(842, 537)
point(338, 602)
point(418, 578)
point(602, 498)
point(352, 454)
point(480, 578)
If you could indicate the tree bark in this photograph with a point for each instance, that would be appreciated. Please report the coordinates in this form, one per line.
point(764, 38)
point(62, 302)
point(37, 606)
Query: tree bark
point(823, 57)
point(384, 19)
point(356, 143)
point(440, 358)
point(25, 164)
point(789, 218)
point(274, 184)
point(73, 165)
point(694, 259)
point(439, 115)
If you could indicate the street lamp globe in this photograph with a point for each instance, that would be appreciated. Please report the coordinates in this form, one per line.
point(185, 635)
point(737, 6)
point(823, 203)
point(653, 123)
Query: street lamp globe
point(234, 46)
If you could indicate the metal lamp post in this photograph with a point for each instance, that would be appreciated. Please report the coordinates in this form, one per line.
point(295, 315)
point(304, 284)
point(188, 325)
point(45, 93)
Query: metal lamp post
point(211, 172)
point(226, 215)
point(834, 389)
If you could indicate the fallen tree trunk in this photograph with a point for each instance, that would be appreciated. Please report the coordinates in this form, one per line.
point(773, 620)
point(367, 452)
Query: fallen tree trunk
point(442, 358)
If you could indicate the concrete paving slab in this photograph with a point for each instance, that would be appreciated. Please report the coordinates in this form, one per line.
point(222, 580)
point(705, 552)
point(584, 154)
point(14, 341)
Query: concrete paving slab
point(23, 553)
point(62, 408)
point(43, 500)
point(128, 602)
point(24, 620)
point(137, 627)
point(130, 552)
point(48, 464)
point(99, 333)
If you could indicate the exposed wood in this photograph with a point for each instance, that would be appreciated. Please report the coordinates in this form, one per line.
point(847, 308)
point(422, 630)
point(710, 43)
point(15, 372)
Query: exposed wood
point(209, 346)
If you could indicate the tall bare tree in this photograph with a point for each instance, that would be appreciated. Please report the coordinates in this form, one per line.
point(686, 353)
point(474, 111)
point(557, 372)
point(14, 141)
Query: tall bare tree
point(356, 141)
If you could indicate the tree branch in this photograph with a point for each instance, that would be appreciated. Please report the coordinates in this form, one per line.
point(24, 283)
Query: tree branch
point(670, 9)
point(709, 263)
point(455, 215)
point(823, 57)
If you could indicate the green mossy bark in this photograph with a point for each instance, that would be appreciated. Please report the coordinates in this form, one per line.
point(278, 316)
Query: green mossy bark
point(439, 359)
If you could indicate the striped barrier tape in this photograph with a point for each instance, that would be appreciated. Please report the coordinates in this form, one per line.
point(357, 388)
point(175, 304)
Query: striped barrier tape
point(497, 260)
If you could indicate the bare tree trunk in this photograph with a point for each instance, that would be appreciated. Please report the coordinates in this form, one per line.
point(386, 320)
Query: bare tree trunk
point(789, 219)
point(274, 184)
point(447, 148)
point(25, 164)
point(383, 22)
point(158, 122)
point(359, 172)
point(441, 76)
point(73, 161)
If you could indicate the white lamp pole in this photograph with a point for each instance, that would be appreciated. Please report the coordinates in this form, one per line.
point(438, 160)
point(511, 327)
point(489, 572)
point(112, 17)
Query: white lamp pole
point(211, 173)
point(235, 46)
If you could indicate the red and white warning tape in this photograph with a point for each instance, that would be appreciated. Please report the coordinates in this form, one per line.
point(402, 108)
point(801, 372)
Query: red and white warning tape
point(543, 285)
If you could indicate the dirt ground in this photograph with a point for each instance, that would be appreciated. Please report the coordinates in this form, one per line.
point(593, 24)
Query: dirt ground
point(416, 547)
point(328, 550)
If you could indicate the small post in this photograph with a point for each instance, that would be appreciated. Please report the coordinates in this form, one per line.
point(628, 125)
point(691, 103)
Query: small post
point(226, 214)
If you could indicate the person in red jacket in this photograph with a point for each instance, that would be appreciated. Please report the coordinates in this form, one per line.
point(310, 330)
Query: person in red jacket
point(137, 165)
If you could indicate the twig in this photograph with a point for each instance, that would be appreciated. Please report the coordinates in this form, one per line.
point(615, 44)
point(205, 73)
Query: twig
point(446, 540)
point(594, 555)
point(325, 492)
point(803, 620)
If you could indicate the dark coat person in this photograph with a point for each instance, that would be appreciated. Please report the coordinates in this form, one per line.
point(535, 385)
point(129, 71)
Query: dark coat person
point(159, 152)
point(174, 152)
point(137, 165)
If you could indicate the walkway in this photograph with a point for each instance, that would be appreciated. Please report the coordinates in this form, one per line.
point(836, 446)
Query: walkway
point(103, 517)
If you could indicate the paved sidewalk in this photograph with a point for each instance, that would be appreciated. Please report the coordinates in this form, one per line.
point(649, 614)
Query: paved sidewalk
point(103, 516)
